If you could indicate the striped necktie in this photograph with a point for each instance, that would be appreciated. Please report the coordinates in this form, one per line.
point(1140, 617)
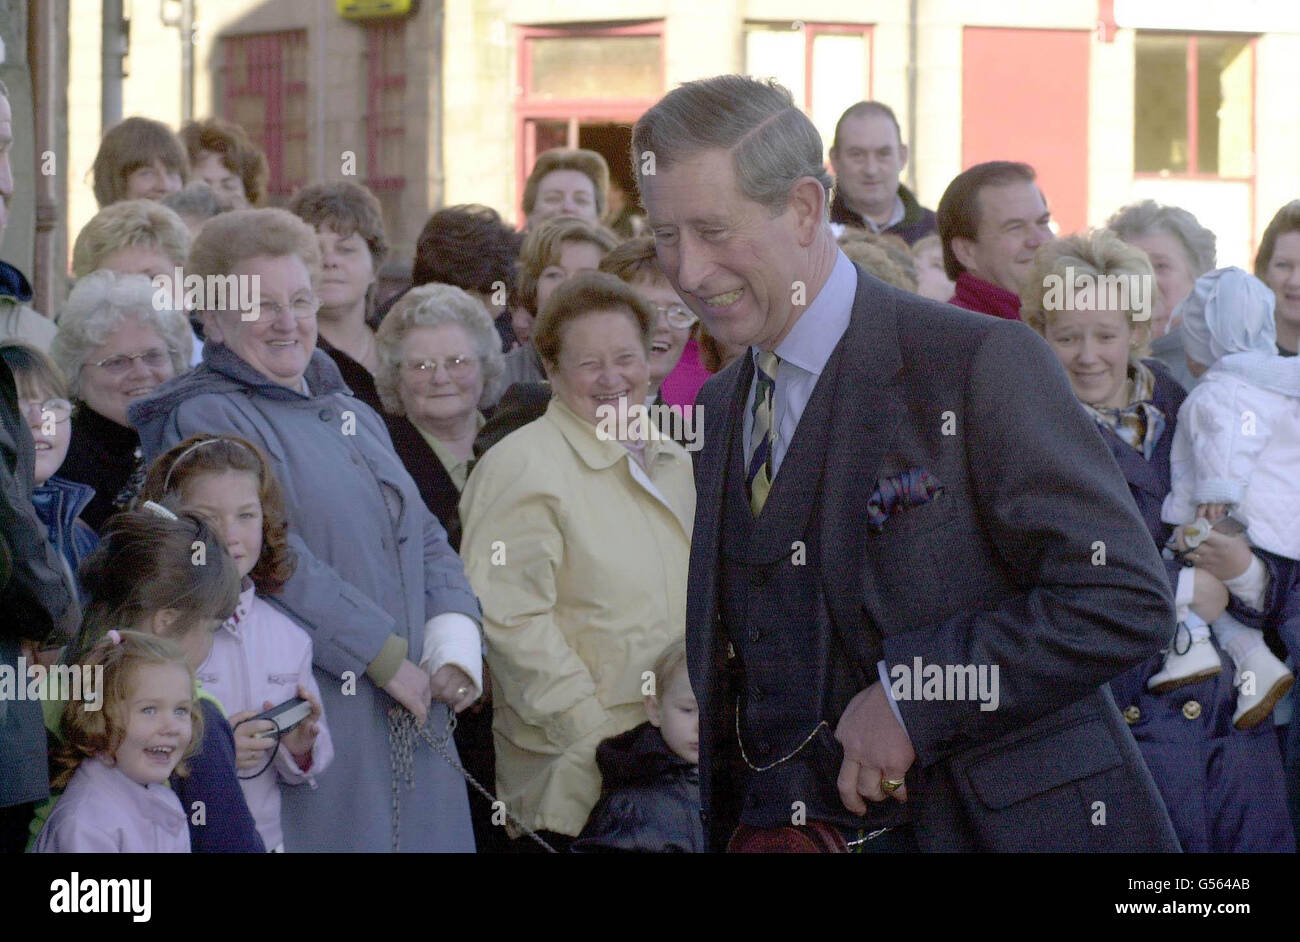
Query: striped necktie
point(759, 475)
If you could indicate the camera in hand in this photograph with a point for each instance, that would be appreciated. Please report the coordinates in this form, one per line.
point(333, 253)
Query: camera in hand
point(286, 716)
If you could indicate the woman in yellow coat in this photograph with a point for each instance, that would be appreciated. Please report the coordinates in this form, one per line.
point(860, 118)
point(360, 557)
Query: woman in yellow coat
point(577, 538)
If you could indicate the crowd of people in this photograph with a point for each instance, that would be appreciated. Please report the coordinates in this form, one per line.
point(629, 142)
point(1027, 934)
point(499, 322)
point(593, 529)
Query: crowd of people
point(401, 506)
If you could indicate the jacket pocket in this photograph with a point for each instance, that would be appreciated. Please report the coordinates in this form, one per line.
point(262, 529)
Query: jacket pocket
point(1039, 765)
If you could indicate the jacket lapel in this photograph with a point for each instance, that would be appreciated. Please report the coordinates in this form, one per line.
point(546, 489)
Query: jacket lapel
point(867, 408)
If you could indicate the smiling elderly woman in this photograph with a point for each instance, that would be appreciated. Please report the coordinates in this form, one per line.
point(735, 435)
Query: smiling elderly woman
point(1223, 786)
point(376, 584)
point(440, 363)
point(114, 346)
point(595, 533)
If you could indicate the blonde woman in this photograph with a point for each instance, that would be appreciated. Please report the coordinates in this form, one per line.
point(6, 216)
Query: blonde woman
point(1223, 787)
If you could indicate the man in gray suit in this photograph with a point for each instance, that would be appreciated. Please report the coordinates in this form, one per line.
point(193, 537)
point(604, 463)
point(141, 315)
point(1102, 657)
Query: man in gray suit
point(915, 563)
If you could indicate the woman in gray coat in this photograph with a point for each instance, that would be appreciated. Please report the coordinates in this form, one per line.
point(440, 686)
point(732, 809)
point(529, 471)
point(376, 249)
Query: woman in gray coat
point(392, 618)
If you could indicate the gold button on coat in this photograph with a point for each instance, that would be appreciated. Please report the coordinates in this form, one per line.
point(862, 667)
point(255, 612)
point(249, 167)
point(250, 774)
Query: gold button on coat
point(1191, 709)
point(1132, 714)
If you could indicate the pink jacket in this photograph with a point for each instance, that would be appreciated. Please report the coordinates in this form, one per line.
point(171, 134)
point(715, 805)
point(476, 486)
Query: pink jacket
point(261, 654)
point(104, 812)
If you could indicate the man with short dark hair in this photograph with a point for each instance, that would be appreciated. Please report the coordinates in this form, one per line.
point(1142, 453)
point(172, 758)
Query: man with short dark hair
point(992, 219)
point(867, 155)
point(892, 495)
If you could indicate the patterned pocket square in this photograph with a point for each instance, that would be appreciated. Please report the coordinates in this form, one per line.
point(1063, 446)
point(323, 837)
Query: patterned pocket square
point(914, 487)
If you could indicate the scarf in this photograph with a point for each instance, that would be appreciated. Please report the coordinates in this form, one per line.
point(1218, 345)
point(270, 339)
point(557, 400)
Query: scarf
point(1138, 424)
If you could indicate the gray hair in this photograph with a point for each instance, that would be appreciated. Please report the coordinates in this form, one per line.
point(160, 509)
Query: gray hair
point(197, 199)
point(1148, 216)
point(98, 305)
point(433, 305)
point(773, 144)
point(4, 89)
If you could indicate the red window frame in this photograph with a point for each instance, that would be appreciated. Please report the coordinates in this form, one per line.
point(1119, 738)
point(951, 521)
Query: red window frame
point(1193, 124)
point(810, 32)
point(385, 79)
point(1193, 104)
point(574, 111)
point(268, 57)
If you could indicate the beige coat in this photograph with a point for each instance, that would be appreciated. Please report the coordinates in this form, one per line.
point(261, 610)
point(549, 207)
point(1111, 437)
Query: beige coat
point(581, 570)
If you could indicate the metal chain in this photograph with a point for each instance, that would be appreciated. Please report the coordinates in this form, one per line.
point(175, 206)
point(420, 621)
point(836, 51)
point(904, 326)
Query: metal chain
point(404, 730)
point(785, 758)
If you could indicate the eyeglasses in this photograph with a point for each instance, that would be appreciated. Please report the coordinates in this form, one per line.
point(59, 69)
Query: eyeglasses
point(301, 308)
point(676, 315)
point(456, 367)
point(121, 364)
point(58, 409)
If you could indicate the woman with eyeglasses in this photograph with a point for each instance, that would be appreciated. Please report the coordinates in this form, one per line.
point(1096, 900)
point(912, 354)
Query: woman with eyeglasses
point(635, 262)
point(43, 401)
point(114, 346)
point(439, 365)
point(393, 620)
point(440, 362)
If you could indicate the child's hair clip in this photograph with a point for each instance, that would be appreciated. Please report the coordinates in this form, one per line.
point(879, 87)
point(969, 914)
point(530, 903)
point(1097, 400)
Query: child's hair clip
point(158, 510)
point(114, 635)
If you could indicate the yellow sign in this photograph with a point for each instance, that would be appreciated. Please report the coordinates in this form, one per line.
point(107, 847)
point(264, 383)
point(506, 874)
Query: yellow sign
point(372, 9)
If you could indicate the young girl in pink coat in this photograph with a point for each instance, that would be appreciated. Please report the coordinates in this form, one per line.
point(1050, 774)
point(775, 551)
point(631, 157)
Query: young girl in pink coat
point(260, 657)
point(116, 755)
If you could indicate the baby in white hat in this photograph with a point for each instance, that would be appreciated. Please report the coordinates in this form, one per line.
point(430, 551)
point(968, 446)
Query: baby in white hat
point(1236, 453)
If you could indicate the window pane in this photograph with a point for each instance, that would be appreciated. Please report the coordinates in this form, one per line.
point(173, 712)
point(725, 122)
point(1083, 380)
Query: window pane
point(1224, 106)
point(1160, 105)
point(596, 67)
point(840, 71)
point(776, 53)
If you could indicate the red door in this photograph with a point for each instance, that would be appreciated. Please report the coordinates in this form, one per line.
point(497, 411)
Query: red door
point(1025, 98)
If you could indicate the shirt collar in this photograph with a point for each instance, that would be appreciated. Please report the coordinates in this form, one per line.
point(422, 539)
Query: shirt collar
point(894, 218)
point(818, 330)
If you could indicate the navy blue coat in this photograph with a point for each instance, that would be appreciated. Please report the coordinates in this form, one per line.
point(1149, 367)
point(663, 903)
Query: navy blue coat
point(650, 798)
point(1224, 788)
point(59, 504)
point(226, 825)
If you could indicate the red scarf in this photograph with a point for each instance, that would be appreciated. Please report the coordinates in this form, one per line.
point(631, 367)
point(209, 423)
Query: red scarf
point(976, 294)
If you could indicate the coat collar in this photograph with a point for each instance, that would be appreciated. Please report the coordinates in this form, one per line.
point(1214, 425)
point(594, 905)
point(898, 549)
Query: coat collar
point(322, 374)
point(600, 455)
point(61, 501)
point(581, 435)
point(156, 803)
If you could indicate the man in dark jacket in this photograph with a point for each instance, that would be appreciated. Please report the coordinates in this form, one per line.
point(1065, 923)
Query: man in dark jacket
point(877, 500)
point(868, 155)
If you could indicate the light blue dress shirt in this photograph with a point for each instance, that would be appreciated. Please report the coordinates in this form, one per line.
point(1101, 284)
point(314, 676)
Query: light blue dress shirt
point(804, 353)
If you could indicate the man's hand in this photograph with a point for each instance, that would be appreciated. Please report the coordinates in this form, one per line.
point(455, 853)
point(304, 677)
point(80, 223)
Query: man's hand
point(410, 688)
point(875, 747)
